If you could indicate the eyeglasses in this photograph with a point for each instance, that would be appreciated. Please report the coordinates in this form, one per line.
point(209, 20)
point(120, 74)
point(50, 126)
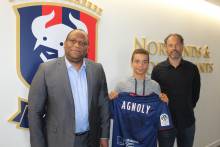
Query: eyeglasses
point(80, 43)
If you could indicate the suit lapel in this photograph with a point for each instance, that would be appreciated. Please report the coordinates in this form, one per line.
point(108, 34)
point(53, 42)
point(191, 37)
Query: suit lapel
point(65, 79)
point(89, 81)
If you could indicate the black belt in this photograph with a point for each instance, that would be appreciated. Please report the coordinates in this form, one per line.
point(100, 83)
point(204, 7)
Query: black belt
point(81, 133)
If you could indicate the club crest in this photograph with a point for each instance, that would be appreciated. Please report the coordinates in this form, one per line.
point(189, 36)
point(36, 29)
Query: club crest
point(41, 31)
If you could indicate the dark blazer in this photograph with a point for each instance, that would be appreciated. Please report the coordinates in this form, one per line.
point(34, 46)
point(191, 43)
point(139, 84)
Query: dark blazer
point(51, 105)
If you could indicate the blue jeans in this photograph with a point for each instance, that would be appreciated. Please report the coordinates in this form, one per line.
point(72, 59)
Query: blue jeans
point(185, 137)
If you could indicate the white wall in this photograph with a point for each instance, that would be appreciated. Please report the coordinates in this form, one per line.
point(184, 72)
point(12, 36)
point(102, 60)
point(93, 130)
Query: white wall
point(155, 20)
point(120, 22)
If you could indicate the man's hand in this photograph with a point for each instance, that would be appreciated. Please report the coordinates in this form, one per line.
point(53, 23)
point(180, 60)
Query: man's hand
point(164, 97)
point(103, 142)
point(113, 95)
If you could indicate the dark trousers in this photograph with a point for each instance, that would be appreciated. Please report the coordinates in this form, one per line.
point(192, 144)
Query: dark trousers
point(185, 137)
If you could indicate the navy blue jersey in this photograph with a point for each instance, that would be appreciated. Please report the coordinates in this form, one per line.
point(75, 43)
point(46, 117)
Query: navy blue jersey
point(137, 120)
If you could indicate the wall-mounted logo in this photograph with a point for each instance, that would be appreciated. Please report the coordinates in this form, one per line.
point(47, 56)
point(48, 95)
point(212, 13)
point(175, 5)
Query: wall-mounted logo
point(41, 31)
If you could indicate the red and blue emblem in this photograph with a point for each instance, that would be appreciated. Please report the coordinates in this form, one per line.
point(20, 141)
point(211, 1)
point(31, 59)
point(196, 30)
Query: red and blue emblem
point(41, 31)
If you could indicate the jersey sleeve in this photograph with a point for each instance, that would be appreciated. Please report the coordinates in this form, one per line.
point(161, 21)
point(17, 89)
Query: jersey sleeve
point(165, 120)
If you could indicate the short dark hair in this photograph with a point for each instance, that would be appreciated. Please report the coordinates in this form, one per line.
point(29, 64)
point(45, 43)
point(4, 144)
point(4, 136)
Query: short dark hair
point(73, 30)
point(174, 35)
point(140, 51)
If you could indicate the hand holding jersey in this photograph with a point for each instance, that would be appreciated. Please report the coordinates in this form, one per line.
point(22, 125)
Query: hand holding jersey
point(113, 94)
point(139, 64)
point(137, 119)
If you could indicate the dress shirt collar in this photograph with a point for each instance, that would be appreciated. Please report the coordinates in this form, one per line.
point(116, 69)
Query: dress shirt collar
point(69, 65)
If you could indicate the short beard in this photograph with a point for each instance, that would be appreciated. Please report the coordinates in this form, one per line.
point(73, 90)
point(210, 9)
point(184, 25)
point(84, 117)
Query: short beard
point(176, 56)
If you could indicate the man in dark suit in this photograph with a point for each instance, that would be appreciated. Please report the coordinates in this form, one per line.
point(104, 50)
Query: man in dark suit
point(68, 99)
